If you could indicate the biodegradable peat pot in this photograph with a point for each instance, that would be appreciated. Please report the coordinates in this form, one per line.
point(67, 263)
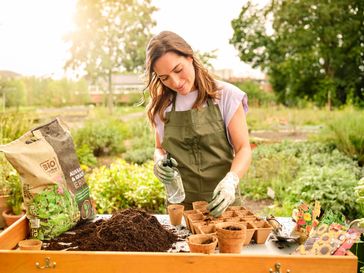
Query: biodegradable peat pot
point(202, 243)
point(231, 236)
point(263, 229)
point(175, 213)
point(208, 229)
point(200, 205)
point(185, 215)
point(194, 218)
point(250, 230)
point(30, 244)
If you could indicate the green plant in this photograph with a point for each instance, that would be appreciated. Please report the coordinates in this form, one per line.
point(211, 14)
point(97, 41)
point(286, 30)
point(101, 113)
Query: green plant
point(56, 210)
point(309, 171)
point(13, 125)
point(124, 185)
point(139, 156)
point(103, 136)
point(15, 199)
point(86, 156)
point(346, 132)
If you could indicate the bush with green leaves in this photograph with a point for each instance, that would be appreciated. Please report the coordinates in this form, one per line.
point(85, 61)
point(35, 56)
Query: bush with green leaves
point(346, 132)
point(124, 185)
point(257, 96)
point(86, 156)
point(13, 125)
point(304, 171)
point(103, 136)
point(142, 144)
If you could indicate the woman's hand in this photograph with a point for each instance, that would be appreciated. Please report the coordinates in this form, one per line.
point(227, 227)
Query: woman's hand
point(224, 194)
point(164, 169)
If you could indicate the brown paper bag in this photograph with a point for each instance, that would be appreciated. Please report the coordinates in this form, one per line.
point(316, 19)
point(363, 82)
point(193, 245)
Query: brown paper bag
point(55, 194)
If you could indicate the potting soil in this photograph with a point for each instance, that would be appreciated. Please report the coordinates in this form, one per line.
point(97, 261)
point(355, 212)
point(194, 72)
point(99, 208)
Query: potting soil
point(126, 230)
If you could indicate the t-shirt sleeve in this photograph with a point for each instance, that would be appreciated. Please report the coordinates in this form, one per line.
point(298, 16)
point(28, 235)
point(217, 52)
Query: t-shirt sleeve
point(231, 98)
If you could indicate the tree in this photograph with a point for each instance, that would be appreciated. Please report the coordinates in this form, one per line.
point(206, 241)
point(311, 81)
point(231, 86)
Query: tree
point(314, 50)
point(12, 92)
point(110, 38)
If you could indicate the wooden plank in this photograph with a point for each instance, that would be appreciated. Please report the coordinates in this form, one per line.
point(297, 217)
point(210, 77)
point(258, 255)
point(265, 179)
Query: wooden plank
point(105, 262)
point(18, 231)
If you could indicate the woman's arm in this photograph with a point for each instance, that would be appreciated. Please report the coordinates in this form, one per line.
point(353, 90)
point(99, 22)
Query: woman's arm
point(159, 152)
point(238, 130)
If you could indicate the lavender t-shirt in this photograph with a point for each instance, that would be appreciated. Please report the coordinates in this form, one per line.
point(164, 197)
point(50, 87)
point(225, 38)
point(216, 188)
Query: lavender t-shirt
point(230, 99)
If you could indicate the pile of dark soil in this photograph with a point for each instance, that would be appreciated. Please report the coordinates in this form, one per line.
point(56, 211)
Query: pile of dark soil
point(126, 230)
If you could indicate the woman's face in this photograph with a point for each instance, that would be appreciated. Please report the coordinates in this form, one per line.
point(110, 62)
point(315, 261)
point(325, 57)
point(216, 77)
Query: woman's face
point(176, 72)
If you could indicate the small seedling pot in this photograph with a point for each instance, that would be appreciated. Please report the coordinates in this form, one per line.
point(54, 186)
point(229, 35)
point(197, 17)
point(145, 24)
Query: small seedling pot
point(202, 243)
point(200, 206)
point(175, 213)
point(30, 244)
point(231, 236)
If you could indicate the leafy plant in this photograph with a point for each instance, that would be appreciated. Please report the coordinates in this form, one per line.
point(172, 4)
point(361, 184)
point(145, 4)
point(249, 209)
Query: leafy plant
point(15, 199)
point(139, 156)
point(308, 171)
point(55, 209)
point(86, 156)
point(346, 132)
point(124, 185)
point(102, 136)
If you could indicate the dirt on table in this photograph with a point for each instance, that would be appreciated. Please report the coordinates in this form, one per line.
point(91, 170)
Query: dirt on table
point(126, 230)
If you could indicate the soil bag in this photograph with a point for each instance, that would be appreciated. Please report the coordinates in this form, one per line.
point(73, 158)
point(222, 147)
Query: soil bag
point(56, 196)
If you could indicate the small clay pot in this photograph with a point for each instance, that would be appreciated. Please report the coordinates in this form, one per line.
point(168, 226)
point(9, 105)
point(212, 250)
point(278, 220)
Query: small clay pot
point(231, 236)
point(175, 213)
point(202, 243)
point(30, 244)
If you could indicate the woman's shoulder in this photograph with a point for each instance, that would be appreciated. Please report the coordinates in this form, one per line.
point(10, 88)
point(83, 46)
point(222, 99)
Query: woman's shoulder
point(229, 91)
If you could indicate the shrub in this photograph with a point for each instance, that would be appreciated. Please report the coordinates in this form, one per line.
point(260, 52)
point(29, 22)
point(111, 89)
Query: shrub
point(346, 132)
point(307, 171)
point(124, 185)
point(85, 156)
point(257, 97)
point(142, 144)
point(103, 136)
point(13, 125)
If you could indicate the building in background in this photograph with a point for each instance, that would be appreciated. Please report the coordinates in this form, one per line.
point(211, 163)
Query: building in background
point(125, 87)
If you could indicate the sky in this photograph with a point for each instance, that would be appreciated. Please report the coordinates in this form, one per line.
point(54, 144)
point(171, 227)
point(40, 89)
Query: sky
point(32, 31)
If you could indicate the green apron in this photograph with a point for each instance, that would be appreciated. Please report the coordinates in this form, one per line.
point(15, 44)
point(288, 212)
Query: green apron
point(197, 139)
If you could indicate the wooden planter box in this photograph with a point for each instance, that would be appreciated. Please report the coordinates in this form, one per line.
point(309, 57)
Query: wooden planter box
point(135, 262)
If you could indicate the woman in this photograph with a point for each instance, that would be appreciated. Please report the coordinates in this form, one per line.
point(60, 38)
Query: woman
point(199, 122)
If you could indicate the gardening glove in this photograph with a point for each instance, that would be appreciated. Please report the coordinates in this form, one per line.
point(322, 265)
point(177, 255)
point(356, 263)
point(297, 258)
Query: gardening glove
point(164, 169)
point(224, 194)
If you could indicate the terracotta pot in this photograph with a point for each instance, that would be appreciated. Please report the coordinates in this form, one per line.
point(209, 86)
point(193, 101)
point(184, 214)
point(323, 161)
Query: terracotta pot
point(11, 218)
point(175, 213)
point(202, 243)
point(231, 236)
point(30, 244)
point(3, 206)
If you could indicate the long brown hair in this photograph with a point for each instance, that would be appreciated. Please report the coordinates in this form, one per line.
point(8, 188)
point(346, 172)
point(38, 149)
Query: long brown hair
point(160, 95)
